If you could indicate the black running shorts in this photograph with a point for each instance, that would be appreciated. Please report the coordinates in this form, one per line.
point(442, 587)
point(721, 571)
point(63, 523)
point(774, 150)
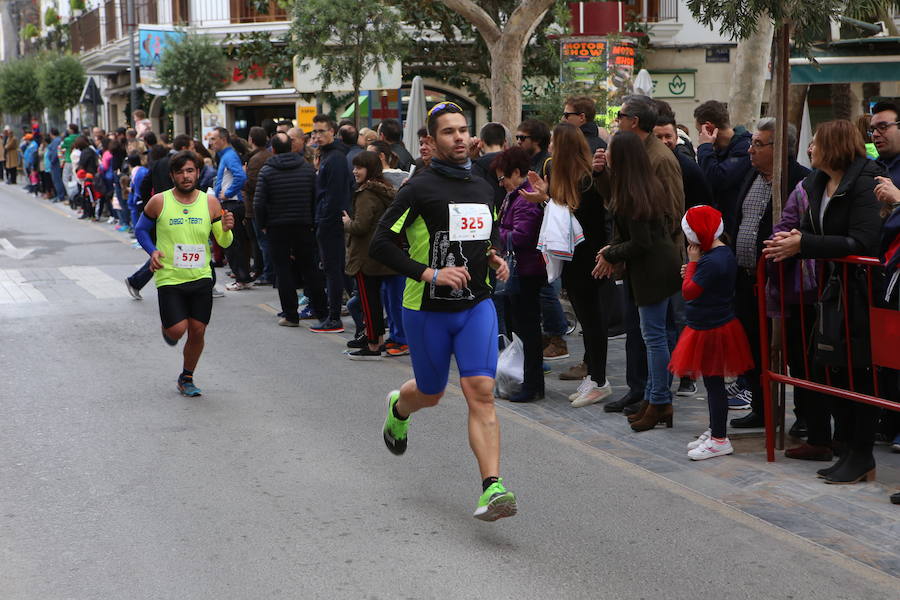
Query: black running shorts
point(192, 300)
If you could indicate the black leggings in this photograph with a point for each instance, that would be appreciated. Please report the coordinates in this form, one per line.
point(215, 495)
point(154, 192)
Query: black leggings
point(591, 299)
point(717, 400)
point(526, 322)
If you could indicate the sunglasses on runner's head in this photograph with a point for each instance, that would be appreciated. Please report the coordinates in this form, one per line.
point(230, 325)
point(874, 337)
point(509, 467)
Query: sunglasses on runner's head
point(522, 138)
point(446, 107)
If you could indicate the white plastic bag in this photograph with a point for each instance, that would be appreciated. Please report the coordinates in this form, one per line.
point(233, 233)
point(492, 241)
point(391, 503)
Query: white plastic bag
point(511, 368)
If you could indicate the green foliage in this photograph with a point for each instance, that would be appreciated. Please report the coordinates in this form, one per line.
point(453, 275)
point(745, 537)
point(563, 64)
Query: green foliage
point(544, 100)
point(463, 60)
point(60, 81)
point(738, 19)
point(76, 4)
point(18, 87)
point(347, 38)
point(30, 30)
point(258, 49)
point(192, 70)
point(51, 17)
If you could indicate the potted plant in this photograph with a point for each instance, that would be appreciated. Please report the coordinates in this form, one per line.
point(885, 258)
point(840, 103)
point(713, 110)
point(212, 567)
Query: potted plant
point(51, 19)
point(30, 31)
point(77, 7)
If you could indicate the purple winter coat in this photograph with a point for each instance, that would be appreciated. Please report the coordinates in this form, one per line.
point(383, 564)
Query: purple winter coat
point(520, 225)
point(799, 274)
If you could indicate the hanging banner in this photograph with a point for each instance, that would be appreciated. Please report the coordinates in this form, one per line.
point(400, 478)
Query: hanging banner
point(152, 43)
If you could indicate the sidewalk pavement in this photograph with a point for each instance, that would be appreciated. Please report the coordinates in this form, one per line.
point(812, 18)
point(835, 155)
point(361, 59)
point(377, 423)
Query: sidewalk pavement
point(856, 520)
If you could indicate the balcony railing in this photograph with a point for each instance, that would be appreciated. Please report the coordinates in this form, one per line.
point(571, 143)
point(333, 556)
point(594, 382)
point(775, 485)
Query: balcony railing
point(662, 10)
point(242, 12)
point(652, 11)
point(85, 31)
point(144, 13)
point(109, 10)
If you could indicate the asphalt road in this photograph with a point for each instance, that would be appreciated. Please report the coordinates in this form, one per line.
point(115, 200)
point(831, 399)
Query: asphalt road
point(276, 483)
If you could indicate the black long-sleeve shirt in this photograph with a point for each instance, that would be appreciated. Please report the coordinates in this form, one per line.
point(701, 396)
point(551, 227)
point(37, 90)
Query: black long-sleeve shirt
point(422, 210)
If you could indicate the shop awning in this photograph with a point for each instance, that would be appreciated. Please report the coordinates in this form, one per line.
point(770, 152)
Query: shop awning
point(363, 108)
point(848, 61)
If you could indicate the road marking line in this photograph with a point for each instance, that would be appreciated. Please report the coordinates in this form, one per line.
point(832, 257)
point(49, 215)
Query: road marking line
point(69, 215)
point(267, 308)
point(17, 290)
point(95, 282)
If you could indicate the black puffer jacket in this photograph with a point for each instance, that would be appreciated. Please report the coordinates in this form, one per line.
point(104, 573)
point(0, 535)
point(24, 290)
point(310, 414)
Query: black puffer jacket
point(852, 223)
point(285, 192)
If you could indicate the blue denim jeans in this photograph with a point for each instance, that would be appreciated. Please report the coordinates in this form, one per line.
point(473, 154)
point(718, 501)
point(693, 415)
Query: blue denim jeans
point(263, 240)
point(551, 310)
point(392, 294)
point(56, 174)
point(656, 336)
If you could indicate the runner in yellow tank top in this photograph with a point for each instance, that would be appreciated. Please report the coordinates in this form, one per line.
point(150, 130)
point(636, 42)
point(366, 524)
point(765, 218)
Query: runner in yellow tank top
point(184, 218)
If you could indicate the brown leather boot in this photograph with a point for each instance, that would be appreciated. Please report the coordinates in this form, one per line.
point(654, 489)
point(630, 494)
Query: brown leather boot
point(655, 413)
point(640, 413)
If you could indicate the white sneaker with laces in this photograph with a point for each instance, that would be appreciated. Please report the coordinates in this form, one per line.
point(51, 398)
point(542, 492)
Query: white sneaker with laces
point(710, 449)
point(595, 394)
point(585, 386)
point(703, 437)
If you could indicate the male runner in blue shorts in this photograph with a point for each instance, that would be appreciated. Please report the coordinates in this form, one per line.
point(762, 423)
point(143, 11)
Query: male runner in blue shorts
point(449, 218)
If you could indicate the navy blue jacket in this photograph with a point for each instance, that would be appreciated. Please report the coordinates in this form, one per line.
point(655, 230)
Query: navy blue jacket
point(696, 188)
point(725, 170)
point(334, 185)
point(892, 166)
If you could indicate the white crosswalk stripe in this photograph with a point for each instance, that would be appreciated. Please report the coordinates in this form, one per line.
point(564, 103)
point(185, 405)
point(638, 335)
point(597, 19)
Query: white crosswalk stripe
point(15, 290)
point(95, 282)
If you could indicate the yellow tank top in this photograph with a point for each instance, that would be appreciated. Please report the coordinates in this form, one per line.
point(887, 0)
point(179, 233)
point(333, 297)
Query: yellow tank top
point(182, 235)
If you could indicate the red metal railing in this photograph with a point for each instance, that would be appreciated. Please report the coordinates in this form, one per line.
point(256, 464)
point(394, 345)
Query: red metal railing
point(884, 330)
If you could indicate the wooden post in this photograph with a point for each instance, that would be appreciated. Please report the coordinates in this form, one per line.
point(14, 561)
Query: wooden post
point(781, 85)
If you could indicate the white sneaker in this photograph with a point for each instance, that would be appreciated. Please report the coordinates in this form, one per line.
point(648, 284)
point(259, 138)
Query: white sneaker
point(587, 384)
point(710, 449)
point(217, 293)
point(703, 437)
point(595, 394)
point(110, 220)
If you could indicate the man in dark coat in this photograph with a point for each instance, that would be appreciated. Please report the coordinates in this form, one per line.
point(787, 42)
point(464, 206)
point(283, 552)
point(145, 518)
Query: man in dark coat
point(724, 157)
point(284, 208)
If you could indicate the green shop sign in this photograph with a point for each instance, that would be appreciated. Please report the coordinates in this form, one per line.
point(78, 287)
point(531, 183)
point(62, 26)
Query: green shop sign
point(673, 84)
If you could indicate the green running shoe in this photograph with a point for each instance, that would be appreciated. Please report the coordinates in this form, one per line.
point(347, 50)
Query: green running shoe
point(496, 503)
point(395, 429)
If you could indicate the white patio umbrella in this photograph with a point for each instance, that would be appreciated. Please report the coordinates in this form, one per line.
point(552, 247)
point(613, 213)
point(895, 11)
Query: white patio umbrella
point(805, 137)
point(643, 83)
point(415, 116)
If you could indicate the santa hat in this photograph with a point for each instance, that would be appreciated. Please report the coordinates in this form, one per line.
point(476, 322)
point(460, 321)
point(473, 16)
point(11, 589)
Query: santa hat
point(702, 225)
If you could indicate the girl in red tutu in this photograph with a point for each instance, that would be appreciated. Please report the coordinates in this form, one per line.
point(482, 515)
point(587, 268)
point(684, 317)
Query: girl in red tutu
point(713, 344)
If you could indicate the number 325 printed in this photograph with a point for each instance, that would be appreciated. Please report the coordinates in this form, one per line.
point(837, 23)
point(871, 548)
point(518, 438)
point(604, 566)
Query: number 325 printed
point(472, 223)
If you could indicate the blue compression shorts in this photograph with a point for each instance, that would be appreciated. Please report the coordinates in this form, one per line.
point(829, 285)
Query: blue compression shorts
point(471, 335)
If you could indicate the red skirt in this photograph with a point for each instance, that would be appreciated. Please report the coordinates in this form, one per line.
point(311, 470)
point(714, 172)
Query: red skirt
point(723, 351)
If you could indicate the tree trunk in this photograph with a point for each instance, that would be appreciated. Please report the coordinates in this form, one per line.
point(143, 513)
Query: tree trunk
point(506, 47)
point(356, 86)
point(506, 82)
point(841, 101)
point(749, 76)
